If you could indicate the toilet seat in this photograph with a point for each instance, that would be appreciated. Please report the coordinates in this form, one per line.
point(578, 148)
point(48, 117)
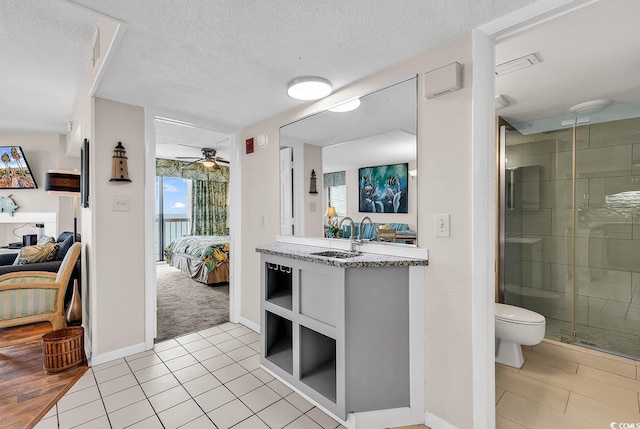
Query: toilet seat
point(517, 315)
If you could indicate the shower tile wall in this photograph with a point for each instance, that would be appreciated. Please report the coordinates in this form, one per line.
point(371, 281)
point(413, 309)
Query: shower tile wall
point(539, 226)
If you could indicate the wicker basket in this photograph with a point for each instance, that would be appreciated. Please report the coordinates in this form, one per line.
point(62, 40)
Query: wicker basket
point(63, 349)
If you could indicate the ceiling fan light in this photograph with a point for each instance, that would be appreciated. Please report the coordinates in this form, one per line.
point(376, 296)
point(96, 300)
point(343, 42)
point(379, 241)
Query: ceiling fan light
point(208, 163)
point(309, 88)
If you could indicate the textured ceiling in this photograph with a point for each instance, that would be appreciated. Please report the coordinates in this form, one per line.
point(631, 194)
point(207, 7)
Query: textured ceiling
point(223, 63)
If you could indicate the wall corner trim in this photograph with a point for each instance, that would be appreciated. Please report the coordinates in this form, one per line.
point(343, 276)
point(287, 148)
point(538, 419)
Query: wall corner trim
point(117, 354)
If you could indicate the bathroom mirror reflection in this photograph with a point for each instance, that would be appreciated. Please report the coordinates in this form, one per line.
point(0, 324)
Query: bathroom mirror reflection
point(363, 162)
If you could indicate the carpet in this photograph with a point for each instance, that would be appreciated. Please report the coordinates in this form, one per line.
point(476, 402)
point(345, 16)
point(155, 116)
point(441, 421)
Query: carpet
point(185, 305)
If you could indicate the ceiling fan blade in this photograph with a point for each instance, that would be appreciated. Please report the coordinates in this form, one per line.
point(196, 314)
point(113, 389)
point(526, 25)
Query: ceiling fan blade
point(222, 161)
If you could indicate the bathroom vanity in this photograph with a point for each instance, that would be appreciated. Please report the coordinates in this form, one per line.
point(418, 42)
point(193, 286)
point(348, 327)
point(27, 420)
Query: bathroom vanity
point(337, 326)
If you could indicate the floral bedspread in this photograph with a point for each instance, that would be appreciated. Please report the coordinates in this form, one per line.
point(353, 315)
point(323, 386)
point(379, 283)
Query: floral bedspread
point(213, 250)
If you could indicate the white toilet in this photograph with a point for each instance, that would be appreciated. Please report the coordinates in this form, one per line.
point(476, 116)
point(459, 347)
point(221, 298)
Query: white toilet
point(516, 326)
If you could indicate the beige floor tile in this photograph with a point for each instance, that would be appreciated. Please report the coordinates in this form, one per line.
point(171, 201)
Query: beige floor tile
point(607, 377)
point(583, 385)
point(533, 389)
point(592, 358)
point(597, 412)
point(502, 423)
point(507, 367)
point(536, 416)
point(499, 393)
point(555, 362)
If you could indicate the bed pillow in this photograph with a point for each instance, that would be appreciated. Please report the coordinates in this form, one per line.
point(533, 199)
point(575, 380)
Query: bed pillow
point(37, 253)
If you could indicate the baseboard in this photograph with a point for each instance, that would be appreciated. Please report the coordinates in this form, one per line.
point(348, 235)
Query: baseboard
point(249, 324)
point(435, 422)
point(117, 354)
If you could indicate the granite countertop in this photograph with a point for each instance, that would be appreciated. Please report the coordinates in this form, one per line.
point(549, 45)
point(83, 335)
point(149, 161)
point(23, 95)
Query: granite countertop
point(305, 253)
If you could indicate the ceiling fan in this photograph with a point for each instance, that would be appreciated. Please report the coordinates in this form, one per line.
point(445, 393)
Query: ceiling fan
point(209, 158)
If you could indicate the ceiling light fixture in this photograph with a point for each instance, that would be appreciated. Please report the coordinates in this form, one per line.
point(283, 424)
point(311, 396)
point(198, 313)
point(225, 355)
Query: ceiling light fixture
point(208, 163)
point(593, 106)
point(517, 64)
point(346, 107)
point(309, 88)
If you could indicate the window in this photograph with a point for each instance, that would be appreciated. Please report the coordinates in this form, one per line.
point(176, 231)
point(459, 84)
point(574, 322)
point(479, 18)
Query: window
point(173, 211)
point(335, 184)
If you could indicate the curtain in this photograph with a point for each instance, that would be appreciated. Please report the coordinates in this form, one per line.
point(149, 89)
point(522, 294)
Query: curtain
point(337, 178)
point(209, 208)
point(209, 194)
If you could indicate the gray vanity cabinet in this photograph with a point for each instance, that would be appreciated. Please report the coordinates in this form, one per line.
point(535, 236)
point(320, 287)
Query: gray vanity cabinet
point(339, 335)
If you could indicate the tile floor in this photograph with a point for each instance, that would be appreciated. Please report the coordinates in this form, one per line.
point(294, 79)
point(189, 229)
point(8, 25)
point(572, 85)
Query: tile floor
point(561, 386)
point(209, 379)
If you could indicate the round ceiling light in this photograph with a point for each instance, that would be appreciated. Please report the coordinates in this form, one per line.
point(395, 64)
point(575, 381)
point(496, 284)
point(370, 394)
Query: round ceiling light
point(346, 107)
point(309, 88)
point(590, 105)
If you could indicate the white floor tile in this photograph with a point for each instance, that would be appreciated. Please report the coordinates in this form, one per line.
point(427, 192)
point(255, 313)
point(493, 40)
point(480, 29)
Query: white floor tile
point(251, 363)
point(210, 332)
point(180, 415)
point(123, 398)
point(263, 375)
point(131, 414)
point(229, 414)
point(99, 423)
point(280, 414)
point(279, 387)
point(117, 384)
point(169, 398)
point(243, 384)
point(229, 373)
point(197, 345)
point(87, 380)
point(191, 372)
point(152, 372)
point(180, 362)
point(201, 384)
point(318, 416)
point(144, 362)
point(165, 345)
point(76, 399)
point(207, 353)
point(217, 362)
point(201, 422)
point(173, 353)
point(214, 398)
point(227, 346)
point(303, 422)
point(80, 415)
point(112, 372)
point(48, 423)
point(160, 384)
point(219, 338)
point(190, 338)
point(251, 423)
point(299, 402)
point(240, 353)
point(249, 338)
point(152, 422)
point(260, 398)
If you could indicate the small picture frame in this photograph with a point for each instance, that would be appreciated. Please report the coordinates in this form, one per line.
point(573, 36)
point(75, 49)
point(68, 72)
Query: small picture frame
point(84, 174)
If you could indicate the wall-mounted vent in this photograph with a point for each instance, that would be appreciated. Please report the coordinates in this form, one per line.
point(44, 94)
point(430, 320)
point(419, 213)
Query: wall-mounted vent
point(517, 64)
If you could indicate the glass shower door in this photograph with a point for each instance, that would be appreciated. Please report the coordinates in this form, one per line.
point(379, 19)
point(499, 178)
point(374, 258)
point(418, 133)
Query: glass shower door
point(608, 234)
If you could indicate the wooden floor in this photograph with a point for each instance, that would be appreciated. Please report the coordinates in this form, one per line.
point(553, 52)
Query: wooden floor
point(27, 392)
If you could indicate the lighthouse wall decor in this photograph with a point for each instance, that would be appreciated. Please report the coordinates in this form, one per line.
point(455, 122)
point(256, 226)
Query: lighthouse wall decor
point(120, 171)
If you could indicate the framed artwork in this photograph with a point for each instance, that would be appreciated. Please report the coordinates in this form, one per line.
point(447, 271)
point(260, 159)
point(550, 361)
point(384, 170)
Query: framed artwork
point(383, 189)
point(84, 174)
point(14, 169)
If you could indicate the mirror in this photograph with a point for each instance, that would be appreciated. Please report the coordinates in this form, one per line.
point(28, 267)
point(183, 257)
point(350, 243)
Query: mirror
point(363, 162)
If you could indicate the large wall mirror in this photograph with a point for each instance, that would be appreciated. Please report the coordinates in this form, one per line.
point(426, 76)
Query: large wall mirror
point(360, 162)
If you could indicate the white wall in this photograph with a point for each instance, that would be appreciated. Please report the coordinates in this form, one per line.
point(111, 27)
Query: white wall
point(313, 225)
point(116, 255)
point(444, 182)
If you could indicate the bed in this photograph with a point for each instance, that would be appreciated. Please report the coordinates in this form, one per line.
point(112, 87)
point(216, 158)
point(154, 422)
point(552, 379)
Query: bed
point(204, 258)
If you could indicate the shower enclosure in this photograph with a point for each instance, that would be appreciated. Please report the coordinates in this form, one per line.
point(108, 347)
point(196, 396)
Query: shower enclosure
point(570, 225)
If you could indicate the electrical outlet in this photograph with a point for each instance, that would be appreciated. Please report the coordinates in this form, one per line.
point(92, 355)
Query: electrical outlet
point(442, 225)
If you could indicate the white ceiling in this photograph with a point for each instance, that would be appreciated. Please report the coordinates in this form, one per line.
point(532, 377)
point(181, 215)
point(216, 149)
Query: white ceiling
point(225, 63)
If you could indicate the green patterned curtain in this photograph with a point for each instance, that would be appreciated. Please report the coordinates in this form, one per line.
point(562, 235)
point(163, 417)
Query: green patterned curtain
point(209, 194)
point(209, 212)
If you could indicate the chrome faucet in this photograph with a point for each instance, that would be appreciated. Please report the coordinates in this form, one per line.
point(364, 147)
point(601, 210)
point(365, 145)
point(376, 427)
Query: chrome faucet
point(360, 227)
point(352, 236)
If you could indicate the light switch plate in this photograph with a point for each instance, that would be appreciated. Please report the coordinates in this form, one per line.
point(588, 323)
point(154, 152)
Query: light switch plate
point(120, 203)
point(442, 225)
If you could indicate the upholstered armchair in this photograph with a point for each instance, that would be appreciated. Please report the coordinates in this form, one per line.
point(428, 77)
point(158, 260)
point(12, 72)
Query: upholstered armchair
point(37, 296)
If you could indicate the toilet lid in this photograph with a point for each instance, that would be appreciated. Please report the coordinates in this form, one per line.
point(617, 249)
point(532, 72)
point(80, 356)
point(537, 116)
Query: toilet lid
point(513, 314)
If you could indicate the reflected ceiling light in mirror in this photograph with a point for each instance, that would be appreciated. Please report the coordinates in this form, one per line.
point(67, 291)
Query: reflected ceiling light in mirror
point(592, 106)
point(309, 88)
point(346, 107)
